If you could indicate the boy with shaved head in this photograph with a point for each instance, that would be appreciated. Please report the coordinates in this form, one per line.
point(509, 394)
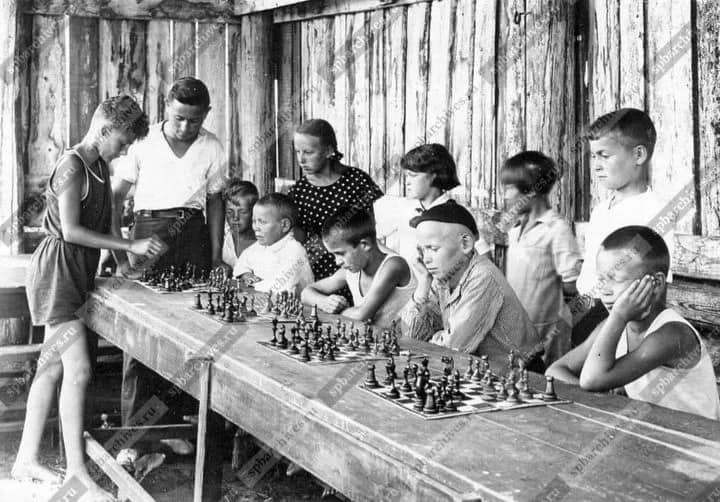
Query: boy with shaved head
point(462, 300)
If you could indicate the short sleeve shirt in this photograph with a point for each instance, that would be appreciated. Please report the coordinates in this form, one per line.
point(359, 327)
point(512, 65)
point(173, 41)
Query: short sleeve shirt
point(315, 204)
point(162, 180)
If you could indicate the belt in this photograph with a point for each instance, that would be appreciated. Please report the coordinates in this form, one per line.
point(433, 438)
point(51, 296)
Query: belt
point(177, 212)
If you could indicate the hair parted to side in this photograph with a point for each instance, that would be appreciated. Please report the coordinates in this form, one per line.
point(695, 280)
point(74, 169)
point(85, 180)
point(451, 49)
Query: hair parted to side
point(240, 188)
point(630, 126)
point(433, 158)
point(190, 91)
point(322, 130)
point(530, 172)
point(643, 241)
point(283, 204)
point(350, 224)
point(123, 113)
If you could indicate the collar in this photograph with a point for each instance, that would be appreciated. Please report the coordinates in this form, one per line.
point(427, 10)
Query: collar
point(279, 245)
point(444, 197)
point(545, 217)
point(611, 200)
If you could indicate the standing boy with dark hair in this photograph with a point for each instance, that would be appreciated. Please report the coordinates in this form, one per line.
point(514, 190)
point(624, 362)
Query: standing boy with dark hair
point(643, 345)
point(621, 146)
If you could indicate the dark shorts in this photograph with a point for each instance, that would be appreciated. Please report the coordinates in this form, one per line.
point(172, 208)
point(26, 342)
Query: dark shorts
point(187, 240)
point(58, 280)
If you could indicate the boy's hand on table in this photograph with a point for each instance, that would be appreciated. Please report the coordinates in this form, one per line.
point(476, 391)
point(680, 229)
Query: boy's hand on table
point(636, 301)
point(227, 269)
point(333, 304)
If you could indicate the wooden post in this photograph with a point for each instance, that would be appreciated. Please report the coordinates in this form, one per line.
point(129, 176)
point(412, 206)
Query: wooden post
point(204, 399)
point(11, 173)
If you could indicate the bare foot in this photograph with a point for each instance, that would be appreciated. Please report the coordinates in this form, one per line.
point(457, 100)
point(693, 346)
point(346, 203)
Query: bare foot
point(35, 471)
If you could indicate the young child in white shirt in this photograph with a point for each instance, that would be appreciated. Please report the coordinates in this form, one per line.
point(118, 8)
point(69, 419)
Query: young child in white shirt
point(643, 345)
point(240, 196)
point(430, 172)
point(381, 283)
point(621, 146)
point(276, 262)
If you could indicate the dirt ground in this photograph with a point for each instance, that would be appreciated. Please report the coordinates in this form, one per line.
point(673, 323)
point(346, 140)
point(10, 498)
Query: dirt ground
point(173, 480)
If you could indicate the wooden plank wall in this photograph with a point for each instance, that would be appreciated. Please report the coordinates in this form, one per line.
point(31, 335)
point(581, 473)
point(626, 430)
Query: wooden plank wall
point(75, 62)
point(471, 74)
point(661, 55)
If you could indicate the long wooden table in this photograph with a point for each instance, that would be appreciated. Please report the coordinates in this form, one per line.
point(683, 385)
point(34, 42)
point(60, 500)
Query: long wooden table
point(600, 447)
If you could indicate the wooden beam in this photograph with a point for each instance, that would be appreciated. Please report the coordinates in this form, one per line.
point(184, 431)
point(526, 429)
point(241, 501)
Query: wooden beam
point(83, 52)
point(11, 172)
point(321, 8)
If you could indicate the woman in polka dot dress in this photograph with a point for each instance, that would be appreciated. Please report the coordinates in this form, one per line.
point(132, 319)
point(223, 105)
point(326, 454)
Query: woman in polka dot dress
point(326, 185)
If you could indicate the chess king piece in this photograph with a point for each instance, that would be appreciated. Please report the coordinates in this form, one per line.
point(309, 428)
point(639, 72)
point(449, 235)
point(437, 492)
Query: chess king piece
point(549, 394)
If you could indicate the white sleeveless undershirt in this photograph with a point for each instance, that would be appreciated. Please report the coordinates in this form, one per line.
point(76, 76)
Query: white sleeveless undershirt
point(390, 310)
point(692, 390)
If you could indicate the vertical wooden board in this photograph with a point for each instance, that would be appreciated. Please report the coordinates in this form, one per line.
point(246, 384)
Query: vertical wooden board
point(288, 95)
point(670, 100)
point(184, 51)
point(708, 24)
point(256, 95)
point(483, 175)
point(550, 108)
point(632, 54)
point(235, 166)
point(460, 120)
point(48, 106)
point(378, 83)
point(83, 77)
point(211, 70)
point(307, 70)
point(358, 78)
point(338, 102)
point(604, 70)
point(511, 83)
point(395, 46)
point(439, 108)
point(159, 71)
point(324, 55)
point(122, 58)
point(416, 74)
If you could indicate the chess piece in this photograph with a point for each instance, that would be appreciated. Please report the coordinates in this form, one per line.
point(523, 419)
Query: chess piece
point(370, 381)
point(456, 392)
point(282, 342)
point(406, 383)
point(306, 351)
point(314, 313)
point(330, 352)
point(450, 405)
point(211, 307)
point(512, 390)
point(502, 394)
point(525, 392)
point(420, 394)
point(431, 402)
point(274, 340)
point(469, 372)
point(104, 424)
point(268, 303)
point(293, 342)
point(549, 394)
point(484, 364)
point(393, 393)
point(198, 303)
point(511, 360)
point(478, 374)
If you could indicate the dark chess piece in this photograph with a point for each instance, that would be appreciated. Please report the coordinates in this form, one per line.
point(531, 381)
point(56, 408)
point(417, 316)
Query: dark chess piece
point(282, 343)
point(469, 372)
point(415, 371)
point(420, 393)
point(293, 342)
point(322, 352)
point(525, 392)
point(406, 383)
point(450, 405)
point(478, 373)
point(393, 393)
point(228, 314)
point(274, 340)
point(431, 406)
point(395, 347)
point(198, 303)
point(549, 394)
point(239, 315)
point(314, 314)
point(456, 392)
point(370, 381)
point(502, 393)
point(389, 371)
point(330, 352)
point(211, 307)
point(484, 364)
point(306, 351)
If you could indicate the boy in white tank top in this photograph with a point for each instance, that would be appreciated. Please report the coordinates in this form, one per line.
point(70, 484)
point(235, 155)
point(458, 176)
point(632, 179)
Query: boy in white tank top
point(643, 345)
point(380, 283)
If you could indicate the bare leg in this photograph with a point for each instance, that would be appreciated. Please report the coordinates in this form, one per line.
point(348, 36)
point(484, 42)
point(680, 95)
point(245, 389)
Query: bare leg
point(77, 373)
point(41, 396)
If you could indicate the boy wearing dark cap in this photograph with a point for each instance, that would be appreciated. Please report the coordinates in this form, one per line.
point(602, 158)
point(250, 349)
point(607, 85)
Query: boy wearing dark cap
point(462, 300)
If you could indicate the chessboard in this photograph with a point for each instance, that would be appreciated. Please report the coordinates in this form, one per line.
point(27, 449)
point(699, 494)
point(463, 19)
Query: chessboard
point(186, 279)
point(312, 342)
point(452, 394)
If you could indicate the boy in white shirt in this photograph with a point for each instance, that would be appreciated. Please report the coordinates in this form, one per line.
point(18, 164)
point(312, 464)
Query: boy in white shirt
point(276, 262)
point(621, 146)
